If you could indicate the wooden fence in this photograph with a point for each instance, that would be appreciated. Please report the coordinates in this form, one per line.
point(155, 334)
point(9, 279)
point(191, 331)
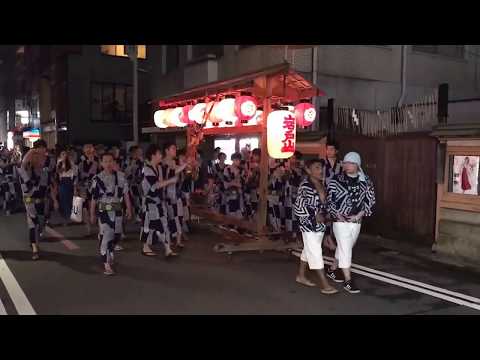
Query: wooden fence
point(403, 169)
point(420, 116)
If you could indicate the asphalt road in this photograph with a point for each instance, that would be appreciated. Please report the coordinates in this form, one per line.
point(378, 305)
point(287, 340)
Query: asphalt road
point(69, 280)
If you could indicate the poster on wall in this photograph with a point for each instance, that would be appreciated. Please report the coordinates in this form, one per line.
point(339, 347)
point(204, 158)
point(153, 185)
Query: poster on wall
point(465, 174)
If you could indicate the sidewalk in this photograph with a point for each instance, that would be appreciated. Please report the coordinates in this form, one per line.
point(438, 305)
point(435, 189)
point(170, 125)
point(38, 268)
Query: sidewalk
point(421, 251)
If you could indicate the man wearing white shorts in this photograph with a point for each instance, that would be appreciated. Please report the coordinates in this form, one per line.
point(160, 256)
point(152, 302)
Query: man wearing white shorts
point(351, 196)
point(308, 208)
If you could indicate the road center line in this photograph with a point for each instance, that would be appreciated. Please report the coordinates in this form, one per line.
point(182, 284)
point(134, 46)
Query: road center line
point(413, 282)
point(409, 286)
point(70, 245)
point(16, 293)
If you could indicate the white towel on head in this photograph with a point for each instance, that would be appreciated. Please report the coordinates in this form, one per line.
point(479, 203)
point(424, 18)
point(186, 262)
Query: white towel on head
point(354, 157)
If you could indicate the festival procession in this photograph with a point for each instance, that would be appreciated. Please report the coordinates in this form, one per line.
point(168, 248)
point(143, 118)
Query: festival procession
point(265, 189)
point(104, 188)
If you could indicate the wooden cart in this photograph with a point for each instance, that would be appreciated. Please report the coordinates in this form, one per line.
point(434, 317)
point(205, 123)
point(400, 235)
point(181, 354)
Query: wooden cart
point(278, 84)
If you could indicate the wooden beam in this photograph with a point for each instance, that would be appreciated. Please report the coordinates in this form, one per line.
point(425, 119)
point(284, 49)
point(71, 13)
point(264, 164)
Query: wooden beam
point(331, 119)
point(233, 130)
point(203, 212)
point(263, 186)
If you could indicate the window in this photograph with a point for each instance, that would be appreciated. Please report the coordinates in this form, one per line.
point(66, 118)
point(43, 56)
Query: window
point(227, 146)
point(200, 51)
point(233, 145)
point(457, 51)
point(173, 57)
point(120, 50)
point(111, 102)
point(252, 142)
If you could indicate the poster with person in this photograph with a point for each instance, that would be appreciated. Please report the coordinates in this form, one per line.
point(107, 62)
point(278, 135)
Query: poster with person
point(465, 174)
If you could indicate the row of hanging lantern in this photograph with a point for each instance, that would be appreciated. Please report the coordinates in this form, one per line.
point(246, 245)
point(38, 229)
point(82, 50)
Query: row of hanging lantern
point(230, 112)
point(240, 111)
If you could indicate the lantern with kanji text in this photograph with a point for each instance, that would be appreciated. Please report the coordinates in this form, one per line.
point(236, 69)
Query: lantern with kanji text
point(281, 133)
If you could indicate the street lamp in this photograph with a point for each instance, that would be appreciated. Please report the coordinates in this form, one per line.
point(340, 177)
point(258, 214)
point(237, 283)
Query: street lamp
point(132, 54)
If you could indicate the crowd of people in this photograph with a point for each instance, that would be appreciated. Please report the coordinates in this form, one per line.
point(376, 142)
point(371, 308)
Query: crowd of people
point(324, 200)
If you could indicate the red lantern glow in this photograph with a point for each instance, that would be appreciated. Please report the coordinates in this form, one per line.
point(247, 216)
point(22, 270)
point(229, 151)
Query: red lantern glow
point(245, 108)
point(185, 118)
point(305, 114)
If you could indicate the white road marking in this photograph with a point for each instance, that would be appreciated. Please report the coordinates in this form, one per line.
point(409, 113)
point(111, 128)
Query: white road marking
point(413, 282)
point(70, 245)
point(440, 295)
point(2, 308)
point(16, 293)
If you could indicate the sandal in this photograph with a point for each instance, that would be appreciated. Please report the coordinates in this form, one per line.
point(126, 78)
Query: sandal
point(148, 253)
point(171, 255)
point(35, 256)
point(329, 291)
point(305, 282)
point(109, 272)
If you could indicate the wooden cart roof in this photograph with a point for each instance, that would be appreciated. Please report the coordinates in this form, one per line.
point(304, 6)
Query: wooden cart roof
point(288, 85)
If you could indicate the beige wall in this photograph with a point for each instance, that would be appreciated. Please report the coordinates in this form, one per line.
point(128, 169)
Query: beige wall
point(363, 76)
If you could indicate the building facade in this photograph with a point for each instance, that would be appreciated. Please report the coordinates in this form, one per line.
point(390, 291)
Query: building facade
point(7, 84)
point(367, 77)
point(77, 94)
point(84, 93)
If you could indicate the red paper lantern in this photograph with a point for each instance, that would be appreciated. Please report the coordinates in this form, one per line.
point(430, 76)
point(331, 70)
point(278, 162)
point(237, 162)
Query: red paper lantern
point(305, 113)
point(185, 117)
point(245, 108)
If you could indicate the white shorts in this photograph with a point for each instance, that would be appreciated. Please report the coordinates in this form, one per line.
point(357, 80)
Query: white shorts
point(312, 250)
point(346, 235)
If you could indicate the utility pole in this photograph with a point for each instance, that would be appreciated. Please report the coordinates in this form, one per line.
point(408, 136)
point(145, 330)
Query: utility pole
point(132, 54)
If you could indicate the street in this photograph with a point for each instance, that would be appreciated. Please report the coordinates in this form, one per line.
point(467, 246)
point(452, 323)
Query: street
point(68, 279)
